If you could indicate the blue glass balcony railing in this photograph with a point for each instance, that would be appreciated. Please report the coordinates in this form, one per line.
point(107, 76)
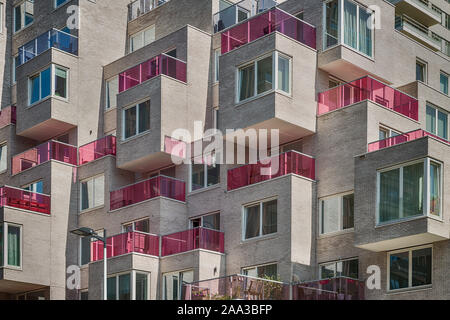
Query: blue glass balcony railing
point(51, 39)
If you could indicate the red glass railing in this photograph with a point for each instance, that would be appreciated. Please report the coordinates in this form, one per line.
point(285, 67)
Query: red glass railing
point(198, 238)
point(283, 164)
point(23, 199)
point(340, 288)
point(270, 21)
point(51, 150)
point(7, 116)
point(368, 88)
point(401, 138)
point(160, 186)
point(161, 64)
point(130, 242)
point(97, 149)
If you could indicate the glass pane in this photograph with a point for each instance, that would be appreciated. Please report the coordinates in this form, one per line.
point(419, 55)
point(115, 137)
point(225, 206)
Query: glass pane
point(35, 89)
point(265, 75)
point(349, 269)
point(330, 215)
point(389, 195)
point(141, 286)
point(413, 190)
point(331, 23)
point(111, 289)
point(142, 226)
point(431, 119)
point(442, 125)
point(149, 36)
point(350, 22)
point(270, 271)
point(136, 42)
point(328, 271)
point(60, 82)
point(283, 74)
point(399, 269)
point(14, 246)
point(3, 157)
point(252, 272)
point(124, 287)
point(421, 267)
point(348, 206)
point(383, 134)
point(85, 250)
point(212, 221)
point(46, 83)
point(87, 194)
point(365, 33)
point(252, 221)
point(444, 83)
point(435, 189)
point(99, 191)
point(130, 122)
point(17, 18)
point(198, 176)
point(420, 72)
point(269, 217)
point(112, 88)
point(247, 82)
point(213, 174)
point(144, 116)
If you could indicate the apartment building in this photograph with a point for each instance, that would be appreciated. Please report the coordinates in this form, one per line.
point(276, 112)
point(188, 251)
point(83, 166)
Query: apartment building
point(93, 92)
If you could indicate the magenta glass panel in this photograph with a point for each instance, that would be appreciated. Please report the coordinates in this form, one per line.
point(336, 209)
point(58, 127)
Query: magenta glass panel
point(160, 186)
point(97, 149)
point(286, 163)
point(24, 199)
point(330, 289)
point(198, 238)
point(130, 242)
point(7, 116)
point(51, 150)
point(368, 89)
point(266, 23)
point(173, 68)
point(175, 147)
point(404, 137)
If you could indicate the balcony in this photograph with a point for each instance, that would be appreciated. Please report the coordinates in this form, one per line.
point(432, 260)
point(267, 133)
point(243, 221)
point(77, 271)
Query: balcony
point(7, 116)
point(239, 12)
point(402, 138)
point(160, 186)
point(97, 149)
point(419, 10)
point(265, 23)
point(124, 243)
point(52, 150)
point(192, 239)
point(368, 88)
point(330, 289)
point(25, 200)
point(51, 39)
point(418, 32)
point(161, 64)
point(288, 163)
point(140, 7)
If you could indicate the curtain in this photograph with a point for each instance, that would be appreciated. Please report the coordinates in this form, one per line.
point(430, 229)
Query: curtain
point(350, 24)
point(365, 33)
point(348, 203)
point(413, 190)
point(247, 82)
point(252, 222)
point(13, 246)
point(389, 195)
point(270, 217)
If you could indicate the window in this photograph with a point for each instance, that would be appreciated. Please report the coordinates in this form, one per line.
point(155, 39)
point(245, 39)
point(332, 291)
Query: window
point(260, 219)
point(210, 221)
point(1, 17)
point(92, 192)
point(84, 295)
point(23, 15)
point(342, 268)
point(141, 286)
point(136, 119)
point(216, 64)
point(119, 287)
point(59, 3)
point(112, 89)
point(85, 248)
point(173, 284)
point(204, 175)
point(385, 133)
point(37, 186)
point(11, 245)
point(3, 157)
point(51, 81)
point(142, 38)
point(15, 63)
point(402, 191)
point(336, 213)
point(444, 83)
point(346, 22)
point(140, 225)
point(421, 71)
point(259, 76)
point(410, 268)
point(264, 271)
point(437, 121)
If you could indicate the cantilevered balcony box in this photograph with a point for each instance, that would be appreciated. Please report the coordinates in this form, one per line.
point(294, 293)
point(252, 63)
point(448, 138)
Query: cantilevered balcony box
point(418, 10)
point(273, 102)
point(417, 31)
point(400, 190)
point(51, 115)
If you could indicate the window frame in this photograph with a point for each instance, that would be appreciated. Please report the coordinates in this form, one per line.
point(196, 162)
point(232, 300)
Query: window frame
point(2, 19)
point(390, 132)
point(341, 214)
point(81, 193)
point(217, 54)
point(133, 225)
point(56, 6)
point(100, 232)
point(191, 220)
point(335, 262)
point(445, 75)
point(436, 116)
point(4, 144)
point(410, 251)
point(52, 94)
point(424, 65)
point(426, 192)
point(108, 105)
point(141, 34)
point(137, 133)
point(22, 11)
point(180, 282)
point(5, 245)
point(205, 176)
point(33, 183)
point(132, 274)
point(246, 269)
point(261, 212)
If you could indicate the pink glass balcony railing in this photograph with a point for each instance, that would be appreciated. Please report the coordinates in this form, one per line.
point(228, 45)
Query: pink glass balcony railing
point(265, 23)
point(130, 242)
point(198, 238)
point(161, 64)
point(97, 149)
point(340, 288)
point(401, 138)
point(368, 88)
point(288, 163)
point(160, 186)
point(23, 199)
point(7, 116)
point(52, 150)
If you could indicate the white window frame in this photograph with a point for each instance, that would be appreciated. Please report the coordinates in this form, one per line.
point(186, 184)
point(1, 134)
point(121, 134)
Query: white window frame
point(141, 34)
point(137, 133)
point(108, 82)
point(133, 224)
point(390, 132)
point(205, 176)
point(341, 213)
point(180, 284)
point(426, 192)
point(425, 69)
point(335, 262)
point(436, 116)
point(22, 22)
point(4, 144)
point(410, 251)
point(275, 55)
point(94, 197)
point(191, 226)
point(14, 70)
point(217, 54)
point(5, 245)
point(244, 219)
point(32, 184)
point(52, 84)
point(1, 17)
point(245, 269)
point(445, 74)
